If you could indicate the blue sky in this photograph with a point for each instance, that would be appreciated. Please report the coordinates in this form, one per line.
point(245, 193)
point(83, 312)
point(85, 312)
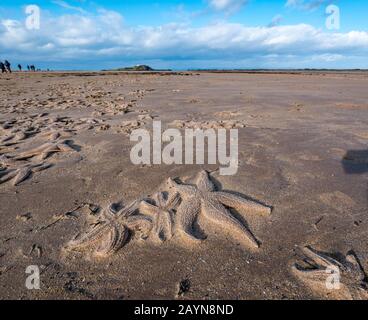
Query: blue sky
point(83, 34)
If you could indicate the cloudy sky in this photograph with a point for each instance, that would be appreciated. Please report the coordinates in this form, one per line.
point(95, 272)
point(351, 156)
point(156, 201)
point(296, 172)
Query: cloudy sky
point(178, 34)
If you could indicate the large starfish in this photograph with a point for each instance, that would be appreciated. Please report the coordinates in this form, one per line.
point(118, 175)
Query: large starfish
point(352, 275)
point(111, 231)
point(18, 174)
point(45, 150)
point(203, 198)
point(162, 215)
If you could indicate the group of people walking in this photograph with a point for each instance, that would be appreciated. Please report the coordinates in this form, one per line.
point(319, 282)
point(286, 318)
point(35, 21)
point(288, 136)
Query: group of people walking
point(30, 68)
point(6, 67)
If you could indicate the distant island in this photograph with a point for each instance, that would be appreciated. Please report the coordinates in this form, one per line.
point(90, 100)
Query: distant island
point(140, 67)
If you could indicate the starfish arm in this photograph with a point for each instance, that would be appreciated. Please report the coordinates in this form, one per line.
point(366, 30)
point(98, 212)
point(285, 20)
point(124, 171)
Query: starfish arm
point(241, 204)
point(161, 200)
point(217, 213)
point(46, 154)
point(184, 190)
point(7, 175)
point(139, 222)
point(320, 259)
point(65, 147)
point(40, 167)
point(34, 152)
point(157, 230)
point(168, 225)
point(167, 202)
point(90, 237)
point(51, 149)
point(356, 267)
point(163, 226)
point(352, 259)
point(162, 220)
point(125, 212)
point(314, 275)
point(172, 201)
point(22, 175)
point(186, 216)
point(114, 241)
point(26, 155)
point(204, 183)
point(149, 209)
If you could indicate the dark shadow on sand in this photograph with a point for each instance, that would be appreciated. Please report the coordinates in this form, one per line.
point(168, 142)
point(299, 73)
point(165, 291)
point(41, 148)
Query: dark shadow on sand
point(355, 162)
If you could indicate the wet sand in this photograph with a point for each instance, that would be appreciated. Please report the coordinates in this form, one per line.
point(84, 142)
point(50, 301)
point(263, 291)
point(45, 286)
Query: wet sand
point(64, 148)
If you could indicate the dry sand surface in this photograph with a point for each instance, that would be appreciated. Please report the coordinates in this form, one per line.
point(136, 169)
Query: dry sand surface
point(72, 203)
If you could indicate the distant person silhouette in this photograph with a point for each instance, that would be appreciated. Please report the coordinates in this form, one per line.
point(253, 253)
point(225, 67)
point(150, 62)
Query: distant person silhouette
point(7, 66)
point(20, 67)
point(2, 67)
point(33, 68)
point(28, 67)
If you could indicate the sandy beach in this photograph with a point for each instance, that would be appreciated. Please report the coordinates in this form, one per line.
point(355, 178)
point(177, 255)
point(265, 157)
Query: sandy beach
point(66, 175)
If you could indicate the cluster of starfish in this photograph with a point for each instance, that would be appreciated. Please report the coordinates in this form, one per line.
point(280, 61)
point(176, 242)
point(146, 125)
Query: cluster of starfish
point(18, 169)
point(167, 214)
point(12, 170)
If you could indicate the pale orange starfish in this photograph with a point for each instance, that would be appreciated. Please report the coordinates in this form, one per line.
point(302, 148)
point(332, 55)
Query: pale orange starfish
point(18, 172)
point(162, 214)
point(214, 205)
point(46, 150)
point(351, 275)
point(111, 231)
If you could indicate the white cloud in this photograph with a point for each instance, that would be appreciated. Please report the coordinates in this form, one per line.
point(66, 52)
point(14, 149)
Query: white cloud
point(68, 6)
point(308, 5)
point(327, 57)
point(227, 6)
point(105, 37)
point(293, 3)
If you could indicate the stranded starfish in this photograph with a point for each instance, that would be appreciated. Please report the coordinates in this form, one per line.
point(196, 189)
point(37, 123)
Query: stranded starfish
point(351, 274)
point(21, 173)
point(212, 204)
point(162, 215)
point(45, 150)
point(15, 138)
point(111, 231)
